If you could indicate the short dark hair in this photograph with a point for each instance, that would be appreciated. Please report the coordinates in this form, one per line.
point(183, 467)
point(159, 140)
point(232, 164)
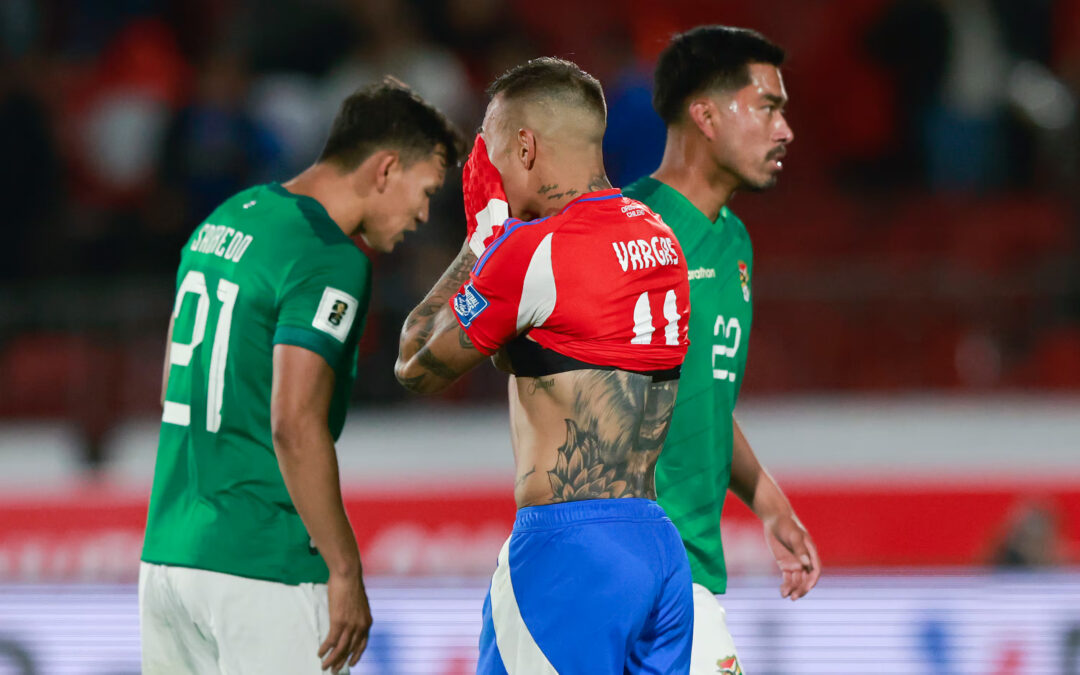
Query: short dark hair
point(548, 76)
point(707, 58)
point(389, 115)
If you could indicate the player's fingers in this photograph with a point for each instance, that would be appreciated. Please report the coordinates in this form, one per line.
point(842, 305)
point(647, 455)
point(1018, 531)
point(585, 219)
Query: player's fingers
point(787, 584)
point(798, 588)
point(796, 582)
point(808, 581)
point(336, 629)
point(798, 548)
point(336, 658)
point(344, 653)
point(358, 649)
point(811, 577)
point(814, 557)
point(815, 572)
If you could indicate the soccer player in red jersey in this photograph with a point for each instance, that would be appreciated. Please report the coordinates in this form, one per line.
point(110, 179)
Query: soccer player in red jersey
point(583, 294)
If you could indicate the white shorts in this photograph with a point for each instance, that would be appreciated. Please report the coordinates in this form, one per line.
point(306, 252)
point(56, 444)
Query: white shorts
point(713, 651)
point(201, 622)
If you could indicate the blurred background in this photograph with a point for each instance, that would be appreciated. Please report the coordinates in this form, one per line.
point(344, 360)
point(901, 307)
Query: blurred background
point(914, 370)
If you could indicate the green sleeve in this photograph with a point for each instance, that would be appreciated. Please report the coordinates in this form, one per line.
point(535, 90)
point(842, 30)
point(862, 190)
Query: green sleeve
point(323, 302)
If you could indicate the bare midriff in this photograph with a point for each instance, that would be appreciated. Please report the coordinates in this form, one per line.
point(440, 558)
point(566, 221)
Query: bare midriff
point(587, 434)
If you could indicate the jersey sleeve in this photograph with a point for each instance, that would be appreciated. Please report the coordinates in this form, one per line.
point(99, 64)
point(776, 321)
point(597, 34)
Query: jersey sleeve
point(323, 302)
point(510, 290)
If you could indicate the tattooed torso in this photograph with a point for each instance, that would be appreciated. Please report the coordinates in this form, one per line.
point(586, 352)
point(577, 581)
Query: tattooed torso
point(583, 434)
point(588, 434)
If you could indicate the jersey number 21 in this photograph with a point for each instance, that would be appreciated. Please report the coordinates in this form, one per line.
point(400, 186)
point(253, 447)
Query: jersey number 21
point(180, 353)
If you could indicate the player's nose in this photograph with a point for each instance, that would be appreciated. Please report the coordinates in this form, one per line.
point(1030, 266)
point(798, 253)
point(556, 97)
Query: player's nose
point(783, 132)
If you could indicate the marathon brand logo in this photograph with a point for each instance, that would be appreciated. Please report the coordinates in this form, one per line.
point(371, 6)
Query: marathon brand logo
point(336, 313)
point(641, 254)
point(468, 304)
point(702, 273)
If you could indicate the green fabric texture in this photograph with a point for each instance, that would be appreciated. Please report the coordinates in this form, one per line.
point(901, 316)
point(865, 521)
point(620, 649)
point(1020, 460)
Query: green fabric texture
point(694, 468)
point(267, 267)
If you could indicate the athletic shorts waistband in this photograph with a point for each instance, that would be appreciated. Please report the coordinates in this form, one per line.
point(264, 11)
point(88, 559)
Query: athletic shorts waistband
point(548, 516)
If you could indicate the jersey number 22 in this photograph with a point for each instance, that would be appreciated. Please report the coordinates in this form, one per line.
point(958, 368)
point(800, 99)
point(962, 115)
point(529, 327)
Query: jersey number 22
point(729, 330)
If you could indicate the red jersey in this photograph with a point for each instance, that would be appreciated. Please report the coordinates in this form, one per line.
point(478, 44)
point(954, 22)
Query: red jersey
point(602, 283)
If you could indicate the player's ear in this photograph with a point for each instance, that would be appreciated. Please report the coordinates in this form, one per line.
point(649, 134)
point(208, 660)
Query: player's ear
point(386, 161)
point(526, 150)
point(702, 112)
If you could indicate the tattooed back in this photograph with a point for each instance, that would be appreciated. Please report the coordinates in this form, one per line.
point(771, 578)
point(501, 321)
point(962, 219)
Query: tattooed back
point(590, 308)
point(588, 434)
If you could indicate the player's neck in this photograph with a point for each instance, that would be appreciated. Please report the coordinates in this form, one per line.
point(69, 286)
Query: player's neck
point(688, 169)
point(331, 189)
point(562, 187)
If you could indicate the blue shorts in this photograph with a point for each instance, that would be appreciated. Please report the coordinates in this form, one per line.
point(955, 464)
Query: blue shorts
point(596, 587)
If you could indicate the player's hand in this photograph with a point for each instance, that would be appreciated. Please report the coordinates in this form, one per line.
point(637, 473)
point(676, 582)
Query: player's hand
point(795, 553)
point(350, 622)
point(486, 208)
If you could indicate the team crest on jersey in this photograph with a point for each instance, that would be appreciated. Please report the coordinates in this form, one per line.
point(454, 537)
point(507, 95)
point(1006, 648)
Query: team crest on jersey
point(744, 279)
point(468, 304)
point(728, 666)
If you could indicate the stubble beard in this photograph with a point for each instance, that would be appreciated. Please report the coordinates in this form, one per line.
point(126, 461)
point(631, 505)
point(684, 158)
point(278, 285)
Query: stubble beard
point(748, 185)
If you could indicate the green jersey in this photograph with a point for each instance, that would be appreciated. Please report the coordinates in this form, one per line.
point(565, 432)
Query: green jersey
point(694, 468)
point(266, 268)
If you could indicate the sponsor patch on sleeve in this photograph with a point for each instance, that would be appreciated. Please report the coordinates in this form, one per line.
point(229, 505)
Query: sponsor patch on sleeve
point(336, 313)
point(468, 304)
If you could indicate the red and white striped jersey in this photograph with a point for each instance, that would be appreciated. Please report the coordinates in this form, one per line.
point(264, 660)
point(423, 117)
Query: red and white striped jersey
point(603, 282)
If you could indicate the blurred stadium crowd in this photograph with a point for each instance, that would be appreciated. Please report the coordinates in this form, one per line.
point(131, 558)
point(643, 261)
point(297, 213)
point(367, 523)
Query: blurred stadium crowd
point(926, 233)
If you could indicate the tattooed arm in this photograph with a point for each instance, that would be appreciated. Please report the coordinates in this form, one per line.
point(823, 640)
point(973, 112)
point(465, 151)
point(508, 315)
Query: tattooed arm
point(433, 351)
point(421, 321)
